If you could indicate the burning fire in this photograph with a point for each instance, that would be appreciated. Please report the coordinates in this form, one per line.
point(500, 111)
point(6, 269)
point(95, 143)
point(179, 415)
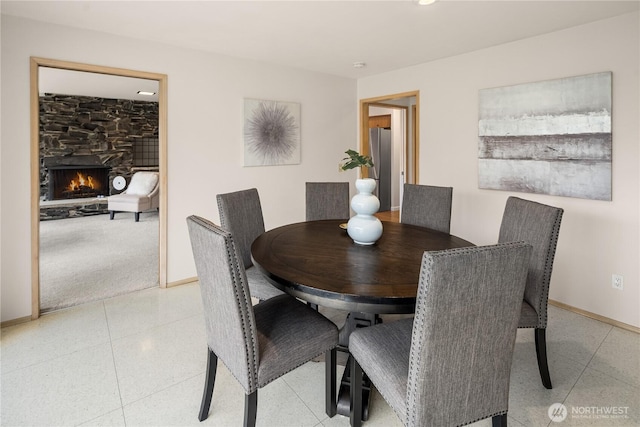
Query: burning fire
point(81, 181)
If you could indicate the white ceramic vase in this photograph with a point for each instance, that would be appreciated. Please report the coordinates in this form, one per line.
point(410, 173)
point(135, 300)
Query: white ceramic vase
point(364, 228)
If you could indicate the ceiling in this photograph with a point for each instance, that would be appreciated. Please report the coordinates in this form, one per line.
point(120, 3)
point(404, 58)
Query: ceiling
point(326, 36)
point(67, 82)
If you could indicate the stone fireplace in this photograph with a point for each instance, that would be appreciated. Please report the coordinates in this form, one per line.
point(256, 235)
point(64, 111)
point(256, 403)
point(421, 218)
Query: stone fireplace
point(84, 143)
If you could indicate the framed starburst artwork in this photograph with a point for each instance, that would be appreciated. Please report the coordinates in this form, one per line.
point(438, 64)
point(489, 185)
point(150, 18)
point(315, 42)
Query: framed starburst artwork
point(271, 133)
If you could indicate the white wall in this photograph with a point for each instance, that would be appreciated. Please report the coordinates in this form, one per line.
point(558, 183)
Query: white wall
point(596, 238)
point(205, 144)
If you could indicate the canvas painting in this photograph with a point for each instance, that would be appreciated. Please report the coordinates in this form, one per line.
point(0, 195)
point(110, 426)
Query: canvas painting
point(551, 137)
point(271, 133)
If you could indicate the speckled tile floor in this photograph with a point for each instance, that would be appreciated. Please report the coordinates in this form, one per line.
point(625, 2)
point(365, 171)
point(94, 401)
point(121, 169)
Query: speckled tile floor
point(139, 359)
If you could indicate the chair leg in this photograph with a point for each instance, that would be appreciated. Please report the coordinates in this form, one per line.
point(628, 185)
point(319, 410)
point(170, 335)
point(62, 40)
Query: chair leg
point(210, 379)
point(112, 214)
point(250, 409)
point(499, 421)
point(330, 361)
point(541, 353)
point(137, 214)
point(355, 413)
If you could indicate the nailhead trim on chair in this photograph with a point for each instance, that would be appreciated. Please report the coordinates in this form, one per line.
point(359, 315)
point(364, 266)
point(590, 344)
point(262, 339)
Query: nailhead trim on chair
point(548, 267)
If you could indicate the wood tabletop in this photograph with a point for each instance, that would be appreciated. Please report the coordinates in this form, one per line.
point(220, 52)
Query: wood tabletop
point(318, 262)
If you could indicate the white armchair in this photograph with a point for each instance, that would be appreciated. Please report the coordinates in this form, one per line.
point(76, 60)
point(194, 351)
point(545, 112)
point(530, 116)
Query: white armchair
point(142, 194)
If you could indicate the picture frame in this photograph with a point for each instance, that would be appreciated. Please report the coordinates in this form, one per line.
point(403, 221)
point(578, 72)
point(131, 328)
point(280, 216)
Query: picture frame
point(551, 137)
point(271, 133)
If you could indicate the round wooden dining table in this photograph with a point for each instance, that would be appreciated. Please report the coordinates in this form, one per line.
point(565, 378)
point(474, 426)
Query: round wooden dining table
point(318, 262)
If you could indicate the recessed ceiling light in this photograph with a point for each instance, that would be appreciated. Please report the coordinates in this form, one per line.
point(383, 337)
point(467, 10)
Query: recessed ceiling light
point(426, 2)
point(359, 64)
point(142, 92)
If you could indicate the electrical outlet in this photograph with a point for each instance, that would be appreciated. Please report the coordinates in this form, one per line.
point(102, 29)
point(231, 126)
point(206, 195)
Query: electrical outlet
point(616, 281)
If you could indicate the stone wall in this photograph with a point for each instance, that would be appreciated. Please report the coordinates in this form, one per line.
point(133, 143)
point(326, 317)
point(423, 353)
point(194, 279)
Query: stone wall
point(89, 126)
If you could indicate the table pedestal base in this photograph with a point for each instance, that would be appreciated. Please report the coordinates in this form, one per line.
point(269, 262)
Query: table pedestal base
point(344, 393)
point(354, 320)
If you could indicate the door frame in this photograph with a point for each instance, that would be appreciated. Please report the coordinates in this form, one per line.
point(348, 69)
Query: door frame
point(35, 64)
point(412, 148)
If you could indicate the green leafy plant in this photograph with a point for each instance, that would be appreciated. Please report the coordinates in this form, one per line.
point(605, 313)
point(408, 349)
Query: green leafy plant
point(355, 160)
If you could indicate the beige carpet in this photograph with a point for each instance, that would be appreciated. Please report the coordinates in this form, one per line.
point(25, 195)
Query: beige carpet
point(92, 258)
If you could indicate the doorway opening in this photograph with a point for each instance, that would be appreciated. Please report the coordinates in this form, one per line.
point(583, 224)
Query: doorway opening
point(395, 117)
point(36, 168)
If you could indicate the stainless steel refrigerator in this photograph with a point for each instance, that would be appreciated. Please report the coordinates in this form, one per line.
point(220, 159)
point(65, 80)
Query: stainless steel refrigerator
point(380, 150)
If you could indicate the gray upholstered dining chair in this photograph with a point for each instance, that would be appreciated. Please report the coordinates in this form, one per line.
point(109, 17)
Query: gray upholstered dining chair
point(327, 200)
point(451, 363)
point(257, 344)
point(241, 215)
point(427, 206)
point(538, 225)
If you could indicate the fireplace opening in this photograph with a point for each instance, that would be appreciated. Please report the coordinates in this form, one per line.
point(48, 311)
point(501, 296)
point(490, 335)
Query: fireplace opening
point(78, 182)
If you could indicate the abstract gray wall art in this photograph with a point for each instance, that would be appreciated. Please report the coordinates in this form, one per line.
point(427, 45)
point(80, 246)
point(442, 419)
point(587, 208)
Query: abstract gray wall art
point(271, 133)
point(551, 137)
